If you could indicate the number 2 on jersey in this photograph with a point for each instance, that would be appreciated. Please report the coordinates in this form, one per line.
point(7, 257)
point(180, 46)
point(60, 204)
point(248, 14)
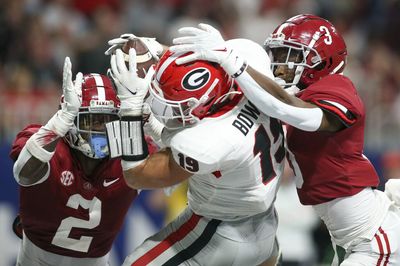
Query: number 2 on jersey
point(62, 239)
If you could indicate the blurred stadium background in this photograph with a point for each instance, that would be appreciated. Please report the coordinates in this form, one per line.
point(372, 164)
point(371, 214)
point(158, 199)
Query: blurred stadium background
point(36, 35)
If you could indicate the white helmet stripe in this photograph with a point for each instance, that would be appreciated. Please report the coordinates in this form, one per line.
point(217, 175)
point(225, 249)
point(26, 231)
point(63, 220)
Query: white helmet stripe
point(166, 64)
point(336, 69)
point(281, 27)
point(295, 17)
point(100, 87)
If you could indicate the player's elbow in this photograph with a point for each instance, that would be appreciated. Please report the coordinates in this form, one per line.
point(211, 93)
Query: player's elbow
point(26, 175)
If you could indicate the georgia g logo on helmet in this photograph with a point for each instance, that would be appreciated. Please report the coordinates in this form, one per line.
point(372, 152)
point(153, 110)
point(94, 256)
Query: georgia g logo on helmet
point(196, 79)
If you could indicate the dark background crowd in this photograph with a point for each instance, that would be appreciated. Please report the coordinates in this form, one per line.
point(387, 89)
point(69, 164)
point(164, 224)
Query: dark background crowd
point(36, 35)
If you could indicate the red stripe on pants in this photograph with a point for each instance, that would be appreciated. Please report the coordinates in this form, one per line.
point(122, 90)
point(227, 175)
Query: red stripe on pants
point(170, 240)
point(387, 245)
point(380, 250)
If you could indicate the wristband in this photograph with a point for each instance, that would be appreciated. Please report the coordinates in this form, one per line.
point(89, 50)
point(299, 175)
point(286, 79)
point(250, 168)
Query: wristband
point(113, 132)
point(134, 146)
point(234, 64)
point(241, 70)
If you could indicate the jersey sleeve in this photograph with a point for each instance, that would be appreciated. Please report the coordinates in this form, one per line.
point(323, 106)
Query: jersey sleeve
point(20, 140)
point(197, 153)
point(337, 95)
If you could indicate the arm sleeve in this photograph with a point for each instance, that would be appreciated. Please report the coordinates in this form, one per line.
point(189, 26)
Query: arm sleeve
point(23, 157)
point(307, 119)
point(20, 154)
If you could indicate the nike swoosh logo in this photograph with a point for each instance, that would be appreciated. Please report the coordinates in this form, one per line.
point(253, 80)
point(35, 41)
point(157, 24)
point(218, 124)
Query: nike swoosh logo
point(109, 183)
point(132, 92)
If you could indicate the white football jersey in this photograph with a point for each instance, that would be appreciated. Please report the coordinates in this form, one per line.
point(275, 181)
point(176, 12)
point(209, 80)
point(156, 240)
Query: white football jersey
point(236, 160)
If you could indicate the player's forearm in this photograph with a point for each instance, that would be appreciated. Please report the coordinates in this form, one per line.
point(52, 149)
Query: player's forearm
point(141, 177)
point(32, 163)
point(159, 170)
point(307, 117)
point(137, 178)
point(273, 88)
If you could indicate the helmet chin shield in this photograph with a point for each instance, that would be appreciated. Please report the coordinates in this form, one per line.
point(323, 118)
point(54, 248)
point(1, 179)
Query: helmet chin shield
point(96, 147)
point(99, 145)
point(89, 136)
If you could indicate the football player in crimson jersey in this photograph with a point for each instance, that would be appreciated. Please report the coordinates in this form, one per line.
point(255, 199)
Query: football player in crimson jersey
point(325, 132)
point(231, 154)
point(73, 198)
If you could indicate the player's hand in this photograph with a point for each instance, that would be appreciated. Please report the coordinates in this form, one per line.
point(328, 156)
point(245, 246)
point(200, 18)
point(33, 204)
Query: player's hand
point(205, 36)
point(206, 43)
point(152, 126)
point(131, 89)
point(71, 91)
point(117, 43)
point(155, 48)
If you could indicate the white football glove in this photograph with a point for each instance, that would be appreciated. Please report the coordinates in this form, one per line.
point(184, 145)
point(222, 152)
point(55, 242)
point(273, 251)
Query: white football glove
point(206, 36)
point(155, 48)
point(206, 43)
point(71, 91)
point(392, 190)
point(131, 89)
point(63, 120)
point(152, 127)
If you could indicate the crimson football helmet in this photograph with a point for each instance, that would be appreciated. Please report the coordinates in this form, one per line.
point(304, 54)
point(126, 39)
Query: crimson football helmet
point(182, 95)
point(319, 47)
point(99, 106)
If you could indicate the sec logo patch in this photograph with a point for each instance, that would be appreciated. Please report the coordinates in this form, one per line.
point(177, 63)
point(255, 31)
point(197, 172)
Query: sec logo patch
point(67, 178)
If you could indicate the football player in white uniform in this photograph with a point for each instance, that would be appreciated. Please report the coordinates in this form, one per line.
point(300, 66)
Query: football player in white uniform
point(231, 154)
point(325, 132)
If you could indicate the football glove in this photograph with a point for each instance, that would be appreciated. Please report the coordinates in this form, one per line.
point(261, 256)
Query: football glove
point(130, 88)
point(155, 48)
point(206, 43)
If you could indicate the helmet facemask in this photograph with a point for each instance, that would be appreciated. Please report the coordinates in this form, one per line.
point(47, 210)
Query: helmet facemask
point(293, 55)
point(322, 48)
point(99, 106)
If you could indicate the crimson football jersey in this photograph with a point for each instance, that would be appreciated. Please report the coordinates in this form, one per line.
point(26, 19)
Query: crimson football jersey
point(69, 213)
point(331, 165)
